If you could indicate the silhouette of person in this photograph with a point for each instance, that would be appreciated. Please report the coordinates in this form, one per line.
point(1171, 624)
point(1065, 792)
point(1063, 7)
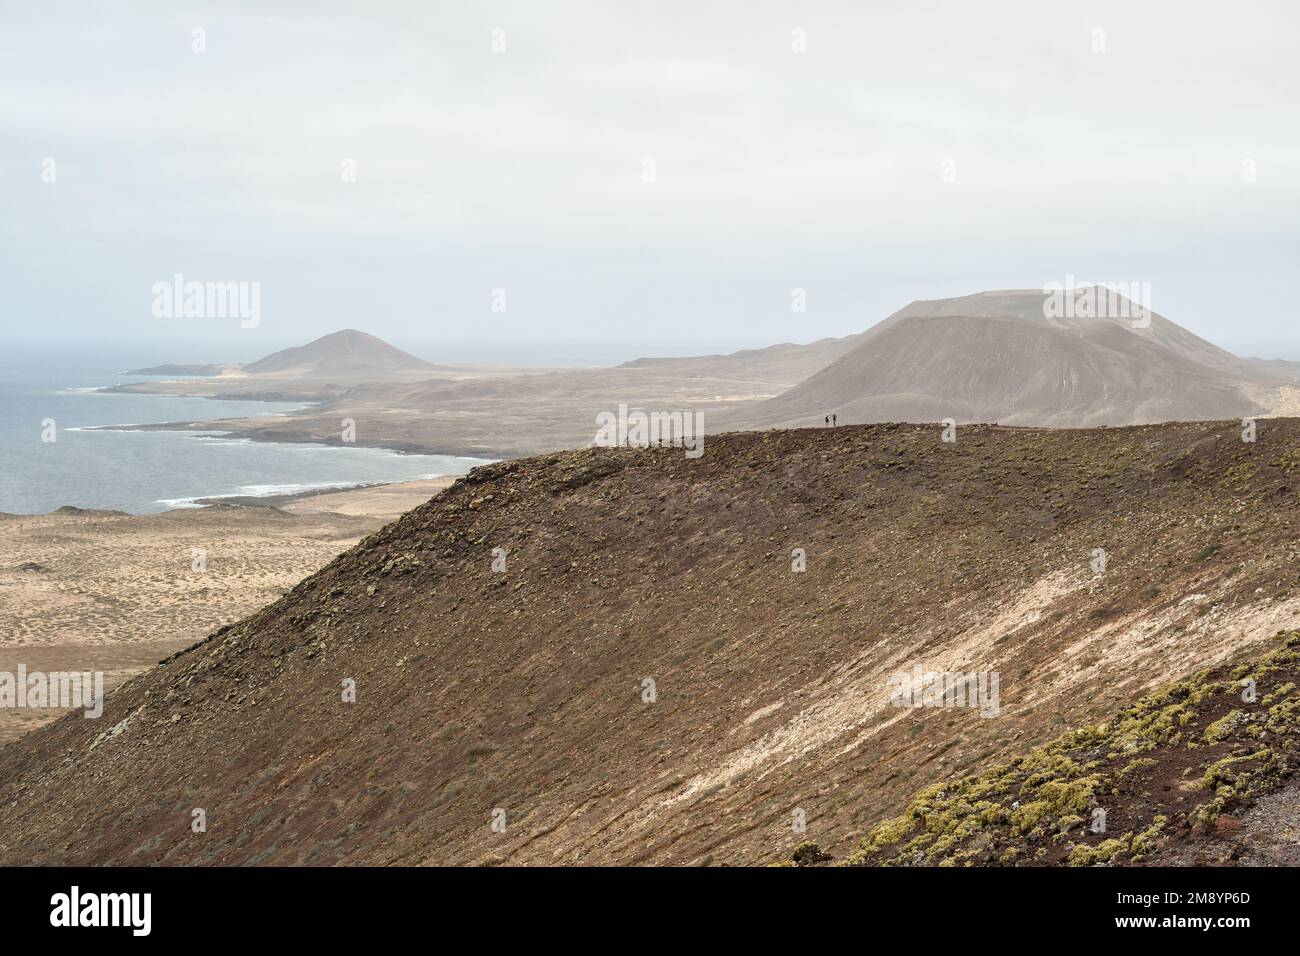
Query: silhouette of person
point(828, 419)
point(834, 420)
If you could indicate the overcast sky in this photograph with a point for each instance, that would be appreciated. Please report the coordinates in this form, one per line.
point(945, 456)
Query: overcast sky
point(912, 150)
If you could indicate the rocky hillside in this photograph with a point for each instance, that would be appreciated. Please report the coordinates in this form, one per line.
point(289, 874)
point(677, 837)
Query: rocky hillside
point(649, 677)
point(1165, 781)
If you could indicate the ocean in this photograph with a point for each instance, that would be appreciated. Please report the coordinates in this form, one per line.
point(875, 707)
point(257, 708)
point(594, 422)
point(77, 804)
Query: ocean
point(145, 472)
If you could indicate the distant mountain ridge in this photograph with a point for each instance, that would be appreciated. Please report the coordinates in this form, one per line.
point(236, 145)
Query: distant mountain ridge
point(196, 371)
point(785, 361)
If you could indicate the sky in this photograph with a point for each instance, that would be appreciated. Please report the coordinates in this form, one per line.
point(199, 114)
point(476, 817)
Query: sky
point(581, 182)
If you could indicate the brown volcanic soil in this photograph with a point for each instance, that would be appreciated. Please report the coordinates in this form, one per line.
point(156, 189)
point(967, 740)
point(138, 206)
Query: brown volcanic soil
point(524, 690)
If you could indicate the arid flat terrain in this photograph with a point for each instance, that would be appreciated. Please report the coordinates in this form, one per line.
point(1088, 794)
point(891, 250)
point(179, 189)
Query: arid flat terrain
point(493, 412)
point(987, 357)
point(650, 677)
point(111, 592)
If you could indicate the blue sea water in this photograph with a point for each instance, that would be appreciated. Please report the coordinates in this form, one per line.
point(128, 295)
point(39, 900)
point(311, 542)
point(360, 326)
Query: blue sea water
point(145, 472)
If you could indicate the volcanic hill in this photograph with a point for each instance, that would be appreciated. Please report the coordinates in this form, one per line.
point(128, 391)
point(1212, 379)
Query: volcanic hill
point(346, 352)
point(996, 357)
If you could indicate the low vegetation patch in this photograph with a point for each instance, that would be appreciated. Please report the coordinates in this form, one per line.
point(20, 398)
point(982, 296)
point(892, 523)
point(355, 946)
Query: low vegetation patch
point(1164, 768)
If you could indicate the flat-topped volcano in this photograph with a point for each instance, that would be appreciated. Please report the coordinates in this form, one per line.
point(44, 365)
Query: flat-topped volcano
point(1008, 357)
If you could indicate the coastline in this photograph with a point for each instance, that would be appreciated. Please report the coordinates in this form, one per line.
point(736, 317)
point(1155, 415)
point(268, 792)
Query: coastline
point(110, 590)
point(289, 501)
point(234, 428)
point(229, 429)
point(321, 500)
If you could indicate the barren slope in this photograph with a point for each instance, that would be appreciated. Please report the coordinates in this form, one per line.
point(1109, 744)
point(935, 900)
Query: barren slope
point(525, 690)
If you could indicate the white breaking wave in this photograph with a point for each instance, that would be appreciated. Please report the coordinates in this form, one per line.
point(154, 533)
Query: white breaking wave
point(286, 488)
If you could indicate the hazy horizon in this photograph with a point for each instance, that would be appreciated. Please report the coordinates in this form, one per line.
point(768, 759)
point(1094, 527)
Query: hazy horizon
point(868, 157)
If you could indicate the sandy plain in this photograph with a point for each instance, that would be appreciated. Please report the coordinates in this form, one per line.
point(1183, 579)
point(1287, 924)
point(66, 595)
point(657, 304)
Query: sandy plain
point(105, 591)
